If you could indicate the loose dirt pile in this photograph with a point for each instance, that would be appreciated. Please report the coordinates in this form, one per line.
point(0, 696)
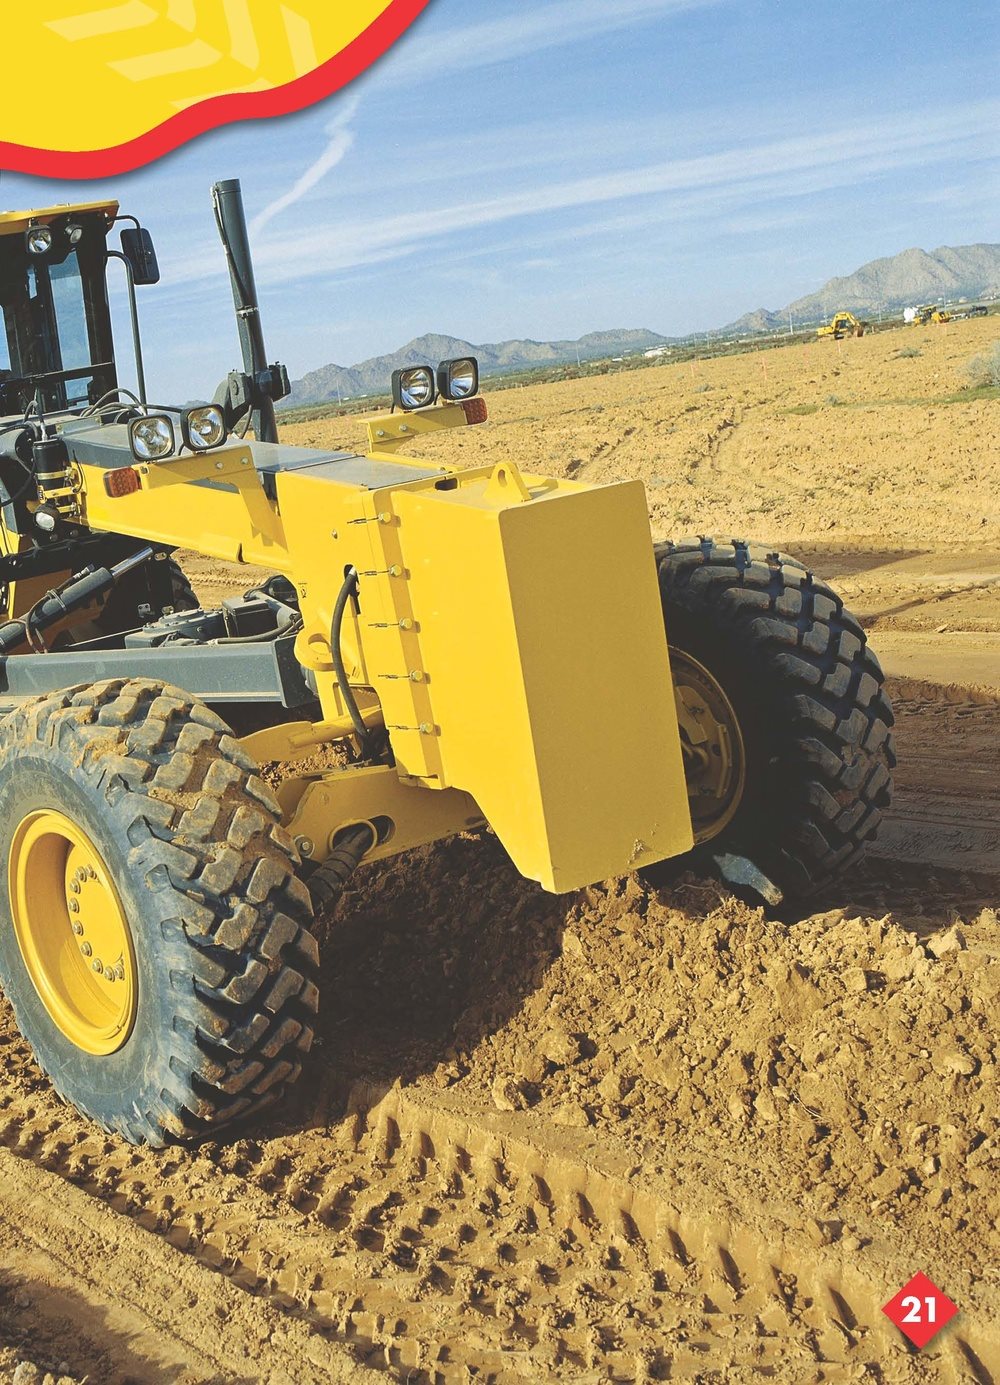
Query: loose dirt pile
point(798, 1052)
point(634, 1133)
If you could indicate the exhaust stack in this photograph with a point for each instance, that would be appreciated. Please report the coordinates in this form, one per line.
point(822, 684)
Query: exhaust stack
point(267, 382)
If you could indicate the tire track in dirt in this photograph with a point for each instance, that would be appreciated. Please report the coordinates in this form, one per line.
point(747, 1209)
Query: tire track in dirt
point(436, 1248)
point(80, 1282)
point(946, 802)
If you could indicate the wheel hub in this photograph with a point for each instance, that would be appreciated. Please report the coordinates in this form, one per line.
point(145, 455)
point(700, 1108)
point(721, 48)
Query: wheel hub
point(72, 931)
point(712, 745)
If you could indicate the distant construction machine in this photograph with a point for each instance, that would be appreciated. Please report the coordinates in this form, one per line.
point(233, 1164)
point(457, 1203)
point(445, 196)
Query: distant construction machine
point(929, 312)
point(842, 324)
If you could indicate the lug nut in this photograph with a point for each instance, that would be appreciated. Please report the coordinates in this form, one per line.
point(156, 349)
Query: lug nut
point(120, 971)
point(86, 949)
point(78, 928)
point(97, 965)
point(73, 905)
point(74, 885)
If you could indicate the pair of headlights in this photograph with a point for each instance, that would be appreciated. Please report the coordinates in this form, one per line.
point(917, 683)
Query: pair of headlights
point(416, 386)
point(152, 438)
point(39, 239)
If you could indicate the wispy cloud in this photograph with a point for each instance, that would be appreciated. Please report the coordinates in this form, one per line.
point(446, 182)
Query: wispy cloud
point(475, 45)
point(341, 137)
point(798, 166)
point(531, 29)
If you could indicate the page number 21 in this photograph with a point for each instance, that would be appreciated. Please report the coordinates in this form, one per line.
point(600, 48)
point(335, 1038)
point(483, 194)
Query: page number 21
point(919, 1309)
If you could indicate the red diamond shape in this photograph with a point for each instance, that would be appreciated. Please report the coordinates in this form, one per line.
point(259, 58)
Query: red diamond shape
point(920, 1310)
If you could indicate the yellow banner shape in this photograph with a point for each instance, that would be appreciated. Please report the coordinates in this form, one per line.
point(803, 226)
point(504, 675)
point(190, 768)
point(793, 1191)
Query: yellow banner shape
point(101, 88)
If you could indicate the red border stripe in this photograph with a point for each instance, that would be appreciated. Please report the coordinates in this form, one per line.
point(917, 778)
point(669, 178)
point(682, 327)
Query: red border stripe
point(315, 86)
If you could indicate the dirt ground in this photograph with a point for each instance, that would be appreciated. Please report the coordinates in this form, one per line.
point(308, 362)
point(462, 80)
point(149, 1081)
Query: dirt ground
point(627, 1134)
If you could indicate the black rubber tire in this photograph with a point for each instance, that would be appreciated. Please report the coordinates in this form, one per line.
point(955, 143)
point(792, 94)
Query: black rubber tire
point(225, 960)
point(158, 583)
point(808, 695)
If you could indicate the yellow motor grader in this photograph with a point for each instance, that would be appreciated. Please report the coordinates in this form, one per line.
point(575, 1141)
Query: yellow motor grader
point(484, 646)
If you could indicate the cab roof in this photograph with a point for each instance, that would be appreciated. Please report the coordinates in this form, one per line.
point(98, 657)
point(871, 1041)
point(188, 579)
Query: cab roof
point(13, 222)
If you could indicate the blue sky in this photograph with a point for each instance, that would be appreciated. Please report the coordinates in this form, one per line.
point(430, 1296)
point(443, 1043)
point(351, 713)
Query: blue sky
point(554, 168)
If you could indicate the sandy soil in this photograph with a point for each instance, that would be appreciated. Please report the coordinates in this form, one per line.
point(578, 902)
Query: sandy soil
point(627, 1134)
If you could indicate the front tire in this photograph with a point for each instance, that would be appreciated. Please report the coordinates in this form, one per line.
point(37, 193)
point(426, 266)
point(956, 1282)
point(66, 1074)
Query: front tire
point(154, 939)
point(798, 779)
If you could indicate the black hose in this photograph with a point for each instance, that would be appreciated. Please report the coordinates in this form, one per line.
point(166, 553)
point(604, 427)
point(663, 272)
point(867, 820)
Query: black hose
point(349, 589)
point(327, 881)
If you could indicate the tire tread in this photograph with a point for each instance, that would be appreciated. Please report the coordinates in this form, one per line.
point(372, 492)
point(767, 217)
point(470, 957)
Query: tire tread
point(234, 916)
point(812, 656)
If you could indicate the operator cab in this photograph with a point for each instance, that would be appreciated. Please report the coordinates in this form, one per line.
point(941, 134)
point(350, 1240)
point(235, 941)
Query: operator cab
point(56, 348)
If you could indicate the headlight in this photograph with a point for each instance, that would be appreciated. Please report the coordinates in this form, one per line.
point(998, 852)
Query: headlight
point(74, 233)
point(38, 239)
point(458, 379)
point(413, 387)
point(204, 427)
point(151, 438)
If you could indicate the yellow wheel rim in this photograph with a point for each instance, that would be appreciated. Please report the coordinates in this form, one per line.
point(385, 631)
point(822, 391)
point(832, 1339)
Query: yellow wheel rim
point(712, 743)
point(72, 932)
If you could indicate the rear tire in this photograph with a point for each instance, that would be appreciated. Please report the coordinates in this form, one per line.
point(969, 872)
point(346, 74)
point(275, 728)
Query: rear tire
point(217, 950)
point(807, 694)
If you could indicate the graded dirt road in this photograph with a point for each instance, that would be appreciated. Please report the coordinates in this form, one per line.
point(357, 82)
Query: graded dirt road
point(629, 1134)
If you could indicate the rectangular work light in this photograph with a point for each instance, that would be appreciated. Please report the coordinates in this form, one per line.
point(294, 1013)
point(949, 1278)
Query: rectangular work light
point(152, 437)
point(204, 427)
point(413, 387)
point(459, 378)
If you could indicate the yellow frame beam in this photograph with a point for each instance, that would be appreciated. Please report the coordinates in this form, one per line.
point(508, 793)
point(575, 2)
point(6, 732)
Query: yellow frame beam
point(388, 432)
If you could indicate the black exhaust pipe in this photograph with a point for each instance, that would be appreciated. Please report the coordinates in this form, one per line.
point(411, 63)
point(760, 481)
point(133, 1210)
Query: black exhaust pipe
point(227, 198)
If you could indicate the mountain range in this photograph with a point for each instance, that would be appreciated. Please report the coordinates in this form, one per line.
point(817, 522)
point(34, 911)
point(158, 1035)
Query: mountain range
point(336, 382)
point(887, 285)
point(884, 285)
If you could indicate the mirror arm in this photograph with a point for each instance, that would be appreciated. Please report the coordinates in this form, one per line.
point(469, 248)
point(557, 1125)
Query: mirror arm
point(134, 309)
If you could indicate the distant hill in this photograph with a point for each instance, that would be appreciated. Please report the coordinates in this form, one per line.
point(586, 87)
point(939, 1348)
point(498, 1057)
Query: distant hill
point(333, 382)
point(898, 281)
point(890, 284)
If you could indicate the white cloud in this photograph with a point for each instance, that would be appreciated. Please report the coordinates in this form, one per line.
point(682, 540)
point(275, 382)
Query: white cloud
point(722, 183)
point(799, 165)
point(498, 40)
point(531, 29)
point(341, 138)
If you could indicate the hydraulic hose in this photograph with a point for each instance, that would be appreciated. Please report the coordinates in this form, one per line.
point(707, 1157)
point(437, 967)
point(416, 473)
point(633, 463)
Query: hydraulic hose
point(347, 590)
point(326, 884)
point(79, 591)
